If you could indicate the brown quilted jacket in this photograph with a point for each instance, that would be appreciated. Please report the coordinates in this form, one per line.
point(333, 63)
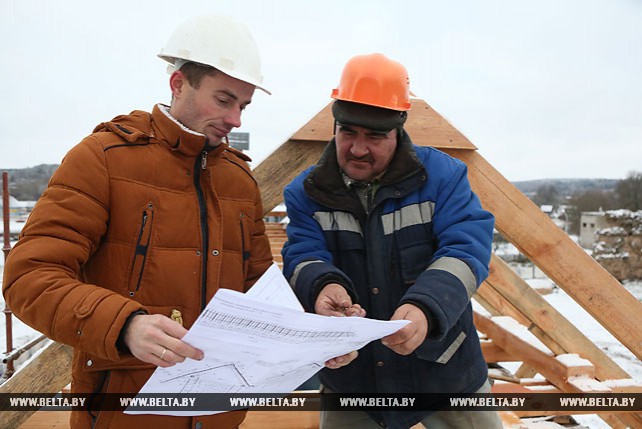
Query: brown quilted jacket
point(137, 217)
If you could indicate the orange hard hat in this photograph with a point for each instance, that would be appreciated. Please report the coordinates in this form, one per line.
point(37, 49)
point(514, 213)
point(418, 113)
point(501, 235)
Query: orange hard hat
point(375, 80)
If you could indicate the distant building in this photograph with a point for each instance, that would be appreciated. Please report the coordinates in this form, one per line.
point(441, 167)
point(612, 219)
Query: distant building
point(618, 246)
point(18, 209)
point(590, 223)
point(277, 215)
point(546, 208)
point(238, 140)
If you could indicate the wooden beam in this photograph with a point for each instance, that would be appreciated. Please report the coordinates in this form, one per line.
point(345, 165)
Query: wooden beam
point(493, 353)
point(566, 338)
point(513, 338)
point(283, 165)
point(48, 372)
point(486, 305)
point(588, 384)
point(552, 250)
point(499, 303)
point(494, 298)
point(630, 420)
point(567, 373)
point(283, 419)
point(525, 371)
point(517, 345)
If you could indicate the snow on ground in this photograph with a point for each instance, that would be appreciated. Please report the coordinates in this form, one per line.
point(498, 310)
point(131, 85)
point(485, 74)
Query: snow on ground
point(561, 301)
point(582, 320)
point(601, 337)
point(598, 334)
point(558, 299)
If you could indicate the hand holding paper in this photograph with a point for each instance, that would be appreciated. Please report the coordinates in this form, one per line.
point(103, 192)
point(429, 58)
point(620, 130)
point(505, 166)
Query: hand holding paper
point(255, 346)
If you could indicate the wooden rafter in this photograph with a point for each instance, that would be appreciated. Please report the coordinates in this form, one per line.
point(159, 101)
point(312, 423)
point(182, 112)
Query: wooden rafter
point(552, 250)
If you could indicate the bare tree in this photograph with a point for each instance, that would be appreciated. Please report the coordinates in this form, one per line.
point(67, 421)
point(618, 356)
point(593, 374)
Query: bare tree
point(594, 200)
point(546, 194)
point(629, 191)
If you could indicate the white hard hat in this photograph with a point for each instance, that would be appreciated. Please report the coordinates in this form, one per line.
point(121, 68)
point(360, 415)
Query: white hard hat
point(219, 42)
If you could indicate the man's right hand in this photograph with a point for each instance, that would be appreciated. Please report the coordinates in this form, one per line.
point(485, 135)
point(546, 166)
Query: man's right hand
point(157, 339)
point(333, 300)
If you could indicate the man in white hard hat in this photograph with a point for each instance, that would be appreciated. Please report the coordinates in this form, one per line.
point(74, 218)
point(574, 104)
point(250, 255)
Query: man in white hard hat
point(142, 223)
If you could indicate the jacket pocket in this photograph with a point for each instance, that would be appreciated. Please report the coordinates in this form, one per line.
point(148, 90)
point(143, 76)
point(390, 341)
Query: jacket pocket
point(413, 260)
point(141, 249)
point(100, 419)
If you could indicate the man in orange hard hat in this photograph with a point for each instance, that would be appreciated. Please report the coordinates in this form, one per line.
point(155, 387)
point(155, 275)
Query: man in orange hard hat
point(392, 230)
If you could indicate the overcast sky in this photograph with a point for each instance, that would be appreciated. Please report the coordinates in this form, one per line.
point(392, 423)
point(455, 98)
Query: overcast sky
point(544, 89)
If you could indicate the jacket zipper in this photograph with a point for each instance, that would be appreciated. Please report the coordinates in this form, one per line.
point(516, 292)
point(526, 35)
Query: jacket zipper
point(140, 254)
point(142, 249)
point(203, 219)
point(368, 198)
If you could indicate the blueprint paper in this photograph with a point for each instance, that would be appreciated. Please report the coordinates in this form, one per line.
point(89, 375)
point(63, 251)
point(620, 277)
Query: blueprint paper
point(253, 346)
point(272, 287)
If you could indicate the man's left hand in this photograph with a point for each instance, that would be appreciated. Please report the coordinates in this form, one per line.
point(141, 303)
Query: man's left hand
point(407, 339)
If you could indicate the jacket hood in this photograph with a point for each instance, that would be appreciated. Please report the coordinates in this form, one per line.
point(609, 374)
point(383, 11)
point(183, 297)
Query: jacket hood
point(160, 126)
point(133, 127)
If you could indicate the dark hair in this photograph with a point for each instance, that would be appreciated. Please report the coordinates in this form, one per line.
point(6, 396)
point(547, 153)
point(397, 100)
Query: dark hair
point(194, 73)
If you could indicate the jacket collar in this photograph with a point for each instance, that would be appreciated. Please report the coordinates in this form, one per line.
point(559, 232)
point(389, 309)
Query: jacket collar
point(161, 127)
point(176, 135)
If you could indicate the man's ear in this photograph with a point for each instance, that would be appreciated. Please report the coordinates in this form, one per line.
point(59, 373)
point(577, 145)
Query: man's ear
point(176, 83)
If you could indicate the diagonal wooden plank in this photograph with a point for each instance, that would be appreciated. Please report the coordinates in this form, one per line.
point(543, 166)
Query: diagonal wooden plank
point(546, 245)
point(506, 308)
point(278, 169)
point(48, 372)
point(499, 306)
point(549, 321)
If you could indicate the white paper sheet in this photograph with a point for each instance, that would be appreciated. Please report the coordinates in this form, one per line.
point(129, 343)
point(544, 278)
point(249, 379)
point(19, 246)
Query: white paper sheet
point(252, 345)
point(272, 287)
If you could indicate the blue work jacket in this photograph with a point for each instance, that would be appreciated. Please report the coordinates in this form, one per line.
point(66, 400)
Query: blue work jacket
point(425, 239)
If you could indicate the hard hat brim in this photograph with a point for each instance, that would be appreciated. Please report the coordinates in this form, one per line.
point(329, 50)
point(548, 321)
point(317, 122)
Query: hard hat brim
point(366, 116)
point(171, 69)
